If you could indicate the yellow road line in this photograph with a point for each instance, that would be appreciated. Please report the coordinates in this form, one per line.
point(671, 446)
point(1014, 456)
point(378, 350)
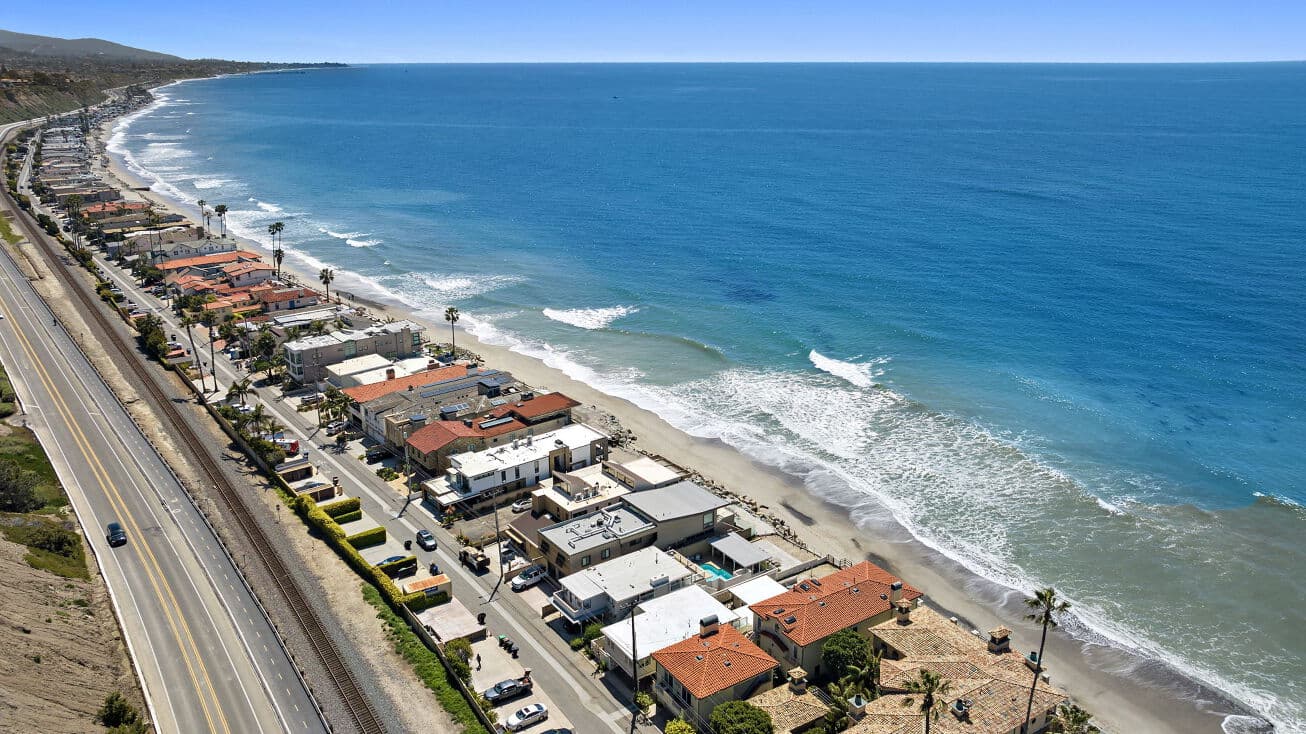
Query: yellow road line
point(156, 577)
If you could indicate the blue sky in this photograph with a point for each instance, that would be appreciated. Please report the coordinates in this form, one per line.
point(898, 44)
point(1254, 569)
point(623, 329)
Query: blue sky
point(676, 30)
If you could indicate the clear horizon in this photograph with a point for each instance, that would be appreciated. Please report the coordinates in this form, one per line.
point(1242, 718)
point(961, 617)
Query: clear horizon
point(580, 31)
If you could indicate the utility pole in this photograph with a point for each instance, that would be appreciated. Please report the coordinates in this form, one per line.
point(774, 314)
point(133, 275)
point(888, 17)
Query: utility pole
point(498, 550)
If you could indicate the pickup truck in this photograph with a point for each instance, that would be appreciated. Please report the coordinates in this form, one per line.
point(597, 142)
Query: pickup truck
point(475, 559)
point(506, 690)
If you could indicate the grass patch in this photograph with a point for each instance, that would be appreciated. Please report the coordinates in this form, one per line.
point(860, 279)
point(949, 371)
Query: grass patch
point(52, 545)
point(7, 232)
point(425, 663)
point(21, 446)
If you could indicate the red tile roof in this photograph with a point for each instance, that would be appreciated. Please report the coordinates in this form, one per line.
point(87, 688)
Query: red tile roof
point(113, 206)
point(838, 601)
point(364, 393)
point(708, 665)
point(217, 258)
point(286, 295)
point(435, 436)
point(542, 405)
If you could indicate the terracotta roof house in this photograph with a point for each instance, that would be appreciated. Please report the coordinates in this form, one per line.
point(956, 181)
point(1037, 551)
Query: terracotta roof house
point(367, 393)
point(794, 708)
point(988, 681)
point(794, 626)
point(432, 445)
point(719, 664)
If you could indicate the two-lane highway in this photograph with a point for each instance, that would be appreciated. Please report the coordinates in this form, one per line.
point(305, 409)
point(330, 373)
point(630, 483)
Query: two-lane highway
point(207, 656)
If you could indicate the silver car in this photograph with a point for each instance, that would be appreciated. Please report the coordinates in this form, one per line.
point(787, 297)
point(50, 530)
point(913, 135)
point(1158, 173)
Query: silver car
point(527, 716)
point(531, 576)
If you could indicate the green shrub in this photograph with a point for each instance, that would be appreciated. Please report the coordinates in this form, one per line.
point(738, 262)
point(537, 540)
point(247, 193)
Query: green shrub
point(348, 504)
point(643, 701)
point(426, 665)
point(740, 717)
point(367, 538)
point(117, 711)
point(577, 643)
point(592, 632)
point(349, 517)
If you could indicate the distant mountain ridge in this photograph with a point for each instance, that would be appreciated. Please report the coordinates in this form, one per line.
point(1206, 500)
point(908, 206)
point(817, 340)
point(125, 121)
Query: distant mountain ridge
point(78, 48)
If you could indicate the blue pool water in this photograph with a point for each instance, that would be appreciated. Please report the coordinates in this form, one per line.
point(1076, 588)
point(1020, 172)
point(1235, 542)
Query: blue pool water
point(716, 571)
point(1050, 318)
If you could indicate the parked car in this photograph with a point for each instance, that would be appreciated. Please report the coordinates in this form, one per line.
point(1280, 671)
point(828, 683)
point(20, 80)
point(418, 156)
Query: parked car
point(335, 427)
point(376, 454)
point(475, 559)
point(506, 690)
point(115, 535)
point(391, 559)
point(426, 540)
point(522, 505)
point(527, 716)
point(313, 399)
point(531, 576)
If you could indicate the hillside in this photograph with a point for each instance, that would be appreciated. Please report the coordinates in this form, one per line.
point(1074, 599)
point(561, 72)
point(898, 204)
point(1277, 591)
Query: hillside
point(43, 75)
point(78, 47)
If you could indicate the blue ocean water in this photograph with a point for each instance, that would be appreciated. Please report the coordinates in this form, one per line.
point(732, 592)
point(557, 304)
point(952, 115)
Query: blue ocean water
point(1028, 309)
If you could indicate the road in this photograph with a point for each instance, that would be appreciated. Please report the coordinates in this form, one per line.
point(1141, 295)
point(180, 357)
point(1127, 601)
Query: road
point(584, 701)
point(207, 657)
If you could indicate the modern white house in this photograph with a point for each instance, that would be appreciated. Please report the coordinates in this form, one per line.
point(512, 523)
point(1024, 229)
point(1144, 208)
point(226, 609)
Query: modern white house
point(478, 475)
point(612, 588)
point(658, 623)
point(308, 358)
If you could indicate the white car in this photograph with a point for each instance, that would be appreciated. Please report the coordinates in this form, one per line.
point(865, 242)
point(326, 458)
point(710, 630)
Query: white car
point(522, 505)
point(529, 577)
point(335, 427)
point(527, 716)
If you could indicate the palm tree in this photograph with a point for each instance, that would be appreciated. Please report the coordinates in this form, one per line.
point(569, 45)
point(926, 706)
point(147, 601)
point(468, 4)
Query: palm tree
point(275, 229)
point(209, 319)
point(933, 691)
point(865, 678)
point(1075, 720)
point(239, 389)
point(221, 211)
point(451, 315)
point(326, 276)
point(204, 215)
point(1047, 607)
point(836, 718)
point(186, 323)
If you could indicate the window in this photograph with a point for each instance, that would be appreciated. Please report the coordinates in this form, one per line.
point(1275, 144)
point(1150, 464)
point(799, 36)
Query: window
point(607, 553)
point(709, 519)
point(544, 546)
point(503, 475)
point(584, 561)
point(516, 472)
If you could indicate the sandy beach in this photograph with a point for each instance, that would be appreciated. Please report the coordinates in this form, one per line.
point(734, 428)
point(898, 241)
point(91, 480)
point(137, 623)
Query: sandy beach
point(1125, 692)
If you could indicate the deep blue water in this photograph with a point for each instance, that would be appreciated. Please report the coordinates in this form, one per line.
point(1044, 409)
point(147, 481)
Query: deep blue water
point(1073, 292)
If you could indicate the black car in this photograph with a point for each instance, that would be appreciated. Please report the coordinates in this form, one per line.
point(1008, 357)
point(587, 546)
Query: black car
point(506, 690)
point(426, 540)
point(115, 535)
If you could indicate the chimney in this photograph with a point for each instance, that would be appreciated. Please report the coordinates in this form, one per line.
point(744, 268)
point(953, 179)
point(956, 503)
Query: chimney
point(431, 364)
point(389, 373)
point(707, 626)
point(961, 709)
point(797, 680)
point(895, 591)
point(999, 640)
point(902, 612)
point(857, 707)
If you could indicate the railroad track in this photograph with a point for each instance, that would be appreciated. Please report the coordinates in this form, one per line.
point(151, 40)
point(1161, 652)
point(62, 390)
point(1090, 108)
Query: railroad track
point(359, 707)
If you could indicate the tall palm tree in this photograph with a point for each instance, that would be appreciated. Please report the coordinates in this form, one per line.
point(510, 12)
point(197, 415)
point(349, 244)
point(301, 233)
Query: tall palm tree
point(204, 216)
point(933, 692)
point(1047, 607)
point(275, 229)
point(186, 323)
point(836, 718)
point(326, 276)
point(239, 389)
point(864, 678)
point(221, 211)
point(451, 315)
point(209, 319)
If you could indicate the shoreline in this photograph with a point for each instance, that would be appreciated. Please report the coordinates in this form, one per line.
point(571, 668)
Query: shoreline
point(1125, 691)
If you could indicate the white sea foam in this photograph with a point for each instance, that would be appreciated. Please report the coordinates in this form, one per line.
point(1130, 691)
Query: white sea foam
point(860, 374)
point(267, 207)
point(363, 243)
point(590, 318)
point(341, 235)
point(210, 183)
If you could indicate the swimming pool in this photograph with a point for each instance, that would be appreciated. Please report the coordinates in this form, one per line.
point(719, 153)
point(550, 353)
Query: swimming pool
point(716, 570)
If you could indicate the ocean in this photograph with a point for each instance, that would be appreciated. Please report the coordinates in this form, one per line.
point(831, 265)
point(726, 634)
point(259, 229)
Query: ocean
point(1049, 317)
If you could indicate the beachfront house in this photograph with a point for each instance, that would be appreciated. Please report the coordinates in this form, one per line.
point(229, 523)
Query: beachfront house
point(609, 590)
point(794, 708)
point(694, 676)
point(684, 512)
point(988, 681)
point(477, 478)
point(659, 623)
point(308, 358)
point(509, 417)
point(794, 626)
point(576, 544)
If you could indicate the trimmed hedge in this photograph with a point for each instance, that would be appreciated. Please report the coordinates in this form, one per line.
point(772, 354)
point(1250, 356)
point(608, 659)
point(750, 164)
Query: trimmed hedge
point(426, 664)
point(335, 537)
point(367, 538)
point(349, 517)
point(344, 506)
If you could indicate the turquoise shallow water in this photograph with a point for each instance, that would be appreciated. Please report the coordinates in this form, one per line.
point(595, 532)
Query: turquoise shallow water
point(1049, 317)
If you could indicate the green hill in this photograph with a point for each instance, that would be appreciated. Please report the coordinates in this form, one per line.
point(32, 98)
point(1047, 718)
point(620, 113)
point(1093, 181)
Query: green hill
point(77, 47)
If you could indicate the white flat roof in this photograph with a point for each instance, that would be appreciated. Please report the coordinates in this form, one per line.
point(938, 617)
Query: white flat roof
point(625, 577)
point(357, 365)
point(667, 620)
point(653, 473)
point(756, 590)
point(476, 463)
